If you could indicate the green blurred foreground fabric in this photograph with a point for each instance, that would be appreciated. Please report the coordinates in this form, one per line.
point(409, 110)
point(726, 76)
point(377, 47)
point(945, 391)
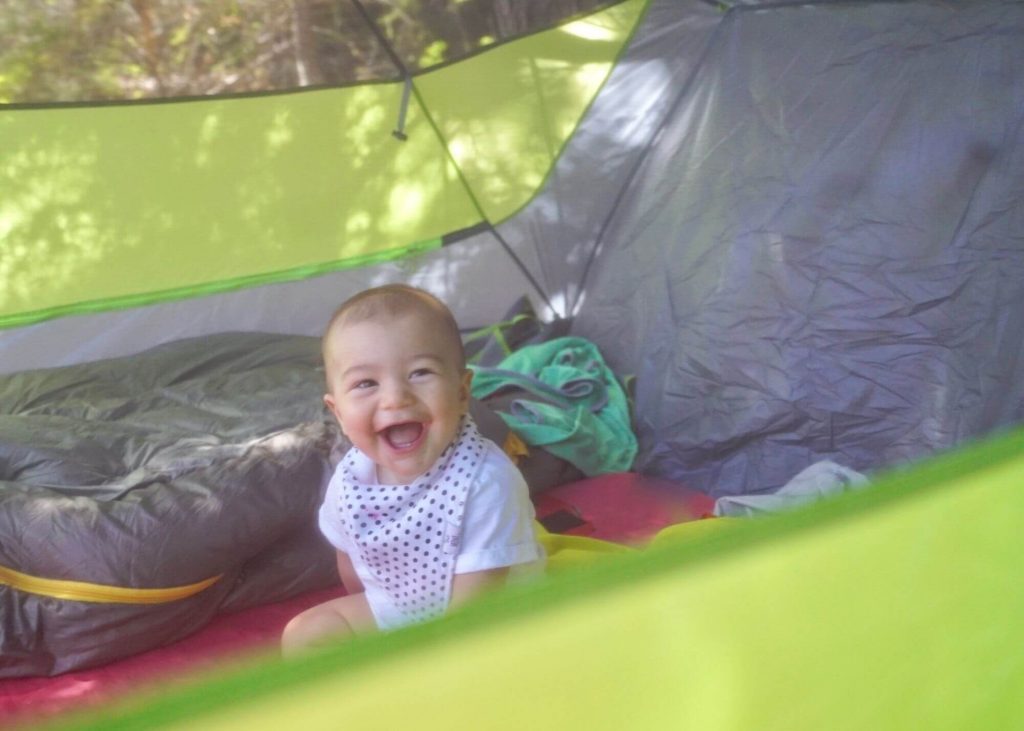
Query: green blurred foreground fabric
point(574, 405)
point(896, 607)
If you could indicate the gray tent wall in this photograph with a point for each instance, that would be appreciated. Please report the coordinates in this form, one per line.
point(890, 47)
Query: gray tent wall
point(821, 254)
point(561, 228)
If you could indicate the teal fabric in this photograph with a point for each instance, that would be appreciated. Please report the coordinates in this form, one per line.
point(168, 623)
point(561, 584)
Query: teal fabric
point(575, 407)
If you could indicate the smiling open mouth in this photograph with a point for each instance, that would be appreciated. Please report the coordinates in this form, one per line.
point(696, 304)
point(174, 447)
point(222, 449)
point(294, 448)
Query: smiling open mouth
point(403, 436)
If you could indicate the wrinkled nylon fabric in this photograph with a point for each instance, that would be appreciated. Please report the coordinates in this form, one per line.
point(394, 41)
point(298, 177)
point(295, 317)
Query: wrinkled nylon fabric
point(557, 233)
point(822, 254)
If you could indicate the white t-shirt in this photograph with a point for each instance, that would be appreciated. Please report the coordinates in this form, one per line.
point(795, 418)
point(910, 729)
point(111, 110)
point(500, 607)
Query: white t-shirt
point(497, 527)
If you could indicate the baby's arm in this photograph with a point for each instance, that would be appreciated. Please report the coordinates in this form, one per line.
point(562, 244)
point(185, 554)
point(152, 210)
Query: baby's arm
point(498, 530)
point(468, 585)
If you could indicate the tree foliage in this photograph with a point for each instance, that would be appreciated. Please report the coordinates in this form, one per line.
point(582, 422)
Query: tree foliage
point(91, 50)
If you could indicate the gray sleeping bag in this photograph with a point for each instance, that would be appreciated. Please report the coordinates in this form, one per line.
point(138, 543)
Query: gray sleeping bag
point(195, 460)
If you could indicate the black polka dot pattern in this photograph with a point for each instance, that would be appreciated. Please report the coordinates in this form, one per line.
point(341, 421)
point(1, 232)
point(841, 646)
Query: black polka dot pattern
point(408, 535)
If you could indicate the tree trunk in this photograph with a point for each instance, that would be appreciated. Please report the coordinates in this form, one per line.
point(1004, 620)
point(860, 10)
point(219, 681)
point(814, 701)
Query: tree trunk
point(307, 65)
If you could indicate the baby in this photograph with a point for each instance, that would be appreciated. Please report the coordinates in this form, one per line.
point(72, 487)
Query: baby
point(423, 511)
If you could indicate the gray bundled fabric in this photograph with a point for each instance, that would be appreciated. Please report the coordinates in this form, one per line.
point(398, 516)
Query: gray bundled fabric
point(196, 459)
point(819, 480)
point(821, 254)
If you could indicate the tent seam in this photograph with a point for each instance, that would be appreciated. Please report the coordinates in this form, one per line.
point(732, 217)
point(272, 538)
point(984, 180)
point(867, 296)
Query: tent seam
point(642, 158)
point(579, 121)
point(472, 196)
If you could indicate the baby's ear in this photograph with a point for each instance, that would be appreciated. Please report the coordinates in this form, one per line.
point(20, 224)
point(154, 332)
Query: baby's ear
point(330, 403)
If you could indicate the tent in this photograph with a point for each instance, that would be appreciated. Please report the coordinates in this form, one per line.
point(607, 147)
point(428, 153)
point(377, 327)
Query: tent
point(797, 224)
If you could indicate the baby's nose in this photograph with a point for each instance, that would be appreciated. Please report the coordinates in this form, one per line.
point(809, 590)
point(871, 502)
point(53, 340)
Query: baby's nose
point(396, 394)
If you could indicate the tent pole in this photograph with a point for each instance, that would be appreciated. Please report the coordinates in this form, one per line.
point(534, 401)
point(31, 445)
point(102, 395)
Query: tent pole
point(526, 272)
point(399, 131)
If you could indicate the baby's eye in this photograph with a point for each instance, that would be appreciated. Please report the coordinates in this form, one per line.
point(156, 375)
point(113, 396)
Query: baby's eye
point(363, 384)
point(420, 373)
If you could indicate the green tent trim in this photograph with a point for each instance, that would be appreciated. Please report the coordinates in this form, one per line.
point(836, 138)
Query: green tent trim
point(227, 285)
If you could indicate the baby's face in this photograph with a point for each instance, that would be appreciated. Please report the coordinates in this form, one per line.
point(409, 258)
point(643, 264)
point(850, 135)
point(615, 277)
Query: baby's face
point(398, 391)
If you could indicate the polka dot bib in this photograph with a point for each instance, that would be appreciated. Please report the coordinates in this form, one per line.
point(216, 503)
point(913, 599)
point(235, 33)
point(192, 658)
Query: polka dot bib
point(408, 536)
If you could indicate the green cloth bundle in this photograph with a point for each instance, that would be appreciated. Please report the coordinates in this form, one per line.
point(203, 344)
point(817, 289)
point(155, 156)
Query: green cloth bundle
point(572, 404)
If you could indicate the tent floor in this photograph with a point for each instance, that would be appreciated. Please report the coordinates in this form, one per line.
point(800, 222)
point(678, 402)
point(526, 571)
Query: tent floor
point(624, 508)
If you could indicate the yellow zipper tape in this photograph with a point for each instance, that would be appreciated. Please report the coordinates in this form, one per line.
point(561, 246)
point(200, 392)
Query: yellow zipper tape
point(81, 591)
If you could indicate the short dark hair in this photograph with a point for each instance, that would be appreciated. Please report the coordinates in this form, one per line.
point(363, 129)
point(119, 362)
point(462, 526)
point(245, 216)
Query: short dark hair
point(394, 300)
